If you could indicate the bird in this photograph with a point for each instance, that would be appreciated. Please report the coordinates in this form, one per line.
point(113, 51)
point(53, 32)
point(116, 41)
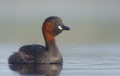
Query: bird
point(35, 53)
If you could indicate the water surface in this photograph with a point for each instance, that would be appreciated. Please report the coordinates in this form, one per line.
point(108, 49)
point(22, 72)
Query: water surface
point(79, 60)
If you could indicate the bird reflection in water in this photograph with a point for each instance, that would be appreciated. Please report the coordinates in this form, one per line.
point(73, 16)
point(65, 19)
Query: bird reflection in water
point(37, 69)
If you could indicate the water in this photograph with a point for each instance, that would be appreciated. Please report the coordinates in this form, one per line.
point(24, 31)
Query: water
point(79, 60)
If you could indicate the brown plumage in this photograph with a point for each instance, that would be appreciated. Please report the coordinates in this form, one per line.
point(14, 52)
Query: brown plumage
point(35, 53)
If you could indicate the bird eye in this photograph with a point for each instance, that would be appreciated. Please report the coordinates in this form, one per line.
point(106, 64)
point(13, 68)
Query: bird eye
point(60, 27)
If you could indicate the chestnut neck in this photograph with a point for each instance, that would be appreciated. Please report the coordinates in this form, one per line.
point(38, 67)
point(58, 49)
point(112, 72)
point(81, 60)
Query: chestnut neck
point(50, 42)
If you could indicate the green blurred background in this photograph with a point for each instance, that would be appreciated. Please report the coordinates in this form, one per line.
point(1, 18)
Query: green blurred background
point(91, 21)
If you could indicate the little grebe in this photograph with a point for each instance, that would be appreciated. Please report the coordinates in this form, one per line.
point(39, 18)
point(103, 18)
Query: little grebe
point(34, 53)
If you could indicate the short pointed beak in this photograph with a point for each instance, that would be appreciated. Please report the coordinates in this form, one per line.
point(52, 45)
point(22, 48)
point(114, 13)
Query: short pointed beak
point(65, 27)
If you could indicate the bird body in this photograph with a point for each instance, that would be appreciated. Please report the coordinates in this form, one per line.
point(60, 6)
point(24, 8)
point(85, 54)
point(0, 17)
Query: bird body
point(35, 53)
